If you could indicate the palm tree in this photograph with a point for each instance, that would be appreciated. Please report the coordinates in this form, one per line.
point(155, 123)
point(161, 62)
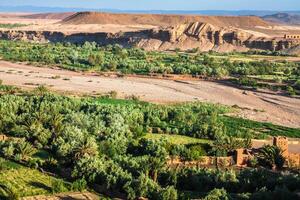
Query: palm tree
point(271, 157)
point(25, 149)
point(88, 147)
point(57, 125)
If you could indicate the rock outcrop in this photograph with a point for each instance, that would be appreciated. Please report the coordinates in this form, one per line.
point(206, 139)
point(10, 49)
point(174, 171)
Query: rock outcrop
point(186, 36)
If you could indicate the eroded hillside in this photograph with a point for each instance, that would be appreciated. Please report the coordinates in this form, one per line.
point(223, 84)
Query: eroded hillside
point(162, 20)
point(157, 32)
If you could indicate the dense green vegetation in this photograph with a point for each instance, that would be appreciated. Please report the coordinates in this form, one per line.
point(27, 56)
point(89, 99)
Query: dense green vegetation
point(115, 58)
point(105, 143)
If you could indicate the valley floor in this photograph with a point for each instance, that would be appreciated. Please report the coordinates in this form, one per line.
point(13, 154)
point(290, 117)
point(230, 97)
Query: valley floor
point(262, 106)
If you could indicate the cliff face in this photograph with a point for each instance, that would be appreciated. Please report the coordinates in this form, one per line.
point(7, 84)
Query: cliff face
point(201, 35)
point(184, 36)
point(208, 37)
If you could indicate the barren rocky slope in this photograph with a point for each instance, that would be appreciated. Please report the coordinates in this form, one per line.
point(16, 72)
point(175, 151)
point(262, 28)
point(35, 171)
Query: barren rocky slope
point(162, 20)
point(285, 18)
point(156, 32)
point(59, 16)
point(184, 36)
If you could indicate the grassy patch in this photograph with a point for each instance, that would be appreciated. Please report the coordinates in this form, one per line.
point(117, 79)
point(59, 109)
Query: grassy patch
point(27, 182)
point(6, 164)
point(113, 101)
point(177, 139)
point(258, 129)
point(9, 26)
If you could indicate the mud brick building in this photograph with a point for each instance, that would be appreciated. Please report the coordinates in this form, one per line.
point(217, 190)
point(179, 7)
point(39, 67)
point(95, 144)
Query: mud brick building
point(287, 36)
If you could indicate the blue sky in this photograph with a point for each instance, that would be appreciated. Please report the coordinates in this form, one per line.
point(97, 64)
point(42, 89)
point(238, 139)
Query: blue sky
point(163, 4)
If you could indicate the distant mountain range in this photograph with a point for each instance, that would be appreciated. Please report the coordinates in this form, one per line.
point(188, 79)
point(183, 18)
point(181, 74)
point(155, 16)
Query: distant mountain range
point(284, 18)
point(33, 9)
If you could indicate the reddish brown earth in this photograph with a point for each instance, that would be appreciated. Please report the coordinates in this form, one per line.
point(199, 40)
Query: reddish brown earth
point(153, 31)
point(163, 20)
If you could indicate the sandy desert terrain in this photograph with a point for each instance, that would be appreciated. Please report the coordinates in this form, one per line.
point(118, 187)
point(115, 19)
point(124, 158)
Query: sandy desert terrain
point(260, 106)
point(53, 24)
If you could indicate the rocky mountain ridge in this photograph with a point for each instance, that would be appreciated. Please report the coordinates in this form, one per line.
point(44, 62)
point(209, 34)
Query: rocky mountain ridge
point(203, 36)
point(283, 18)
point(162, 20)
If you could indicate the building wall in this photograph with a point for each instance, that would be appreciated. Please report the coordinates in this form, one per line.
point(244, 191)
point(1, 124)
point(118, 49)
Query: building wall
point(283, 144)
point(240, 159)
point(203, 161)
point(297, 37)
point(292, 159)
point(3, 137)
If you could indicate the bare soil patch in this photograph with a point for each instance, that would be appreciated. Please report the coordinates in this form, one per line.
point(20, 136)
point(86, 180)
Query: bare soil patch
point(66, 196)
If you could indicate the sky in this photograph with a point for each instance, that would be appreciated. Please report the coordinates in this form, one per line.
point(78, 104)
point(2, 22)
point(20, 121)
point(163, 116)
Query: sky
point(285, 5)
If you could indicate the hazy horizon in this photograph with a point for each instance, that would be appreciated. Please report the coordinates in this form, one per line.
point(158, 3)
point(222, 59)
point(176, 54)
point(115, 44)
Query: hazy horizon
point(188, 5)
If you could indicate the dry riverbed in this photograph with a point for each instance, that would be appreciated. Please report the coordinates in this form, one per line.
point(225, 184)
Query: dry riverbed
point(259, 106)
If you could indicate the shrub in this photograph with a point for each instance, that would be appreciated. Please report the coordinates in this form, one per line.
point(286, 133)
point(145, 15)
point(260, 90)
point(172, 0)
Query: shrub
point(291, 91)
point(168, 193)
point(271, 156)
point(41, 90)
point(194, 152)
point(253, 162)
point(217, 194)
point(296, 84)
point(34, 163)
point(58, 186)
point(113, 94)
point(79, 185)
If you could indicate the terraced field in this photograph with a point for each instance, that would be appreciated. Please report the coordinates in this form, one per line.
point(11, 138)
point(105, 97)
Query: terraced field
point(27, 182)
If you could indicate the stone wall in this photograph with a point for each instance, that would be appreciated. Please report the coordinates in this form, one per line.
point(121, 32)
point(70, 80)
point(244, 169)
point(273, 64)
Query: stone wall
point(203, 161)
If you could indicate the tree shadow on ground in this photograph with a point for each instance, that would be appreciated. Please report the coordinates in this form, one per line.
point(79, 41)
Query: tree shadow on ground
point(40, 185)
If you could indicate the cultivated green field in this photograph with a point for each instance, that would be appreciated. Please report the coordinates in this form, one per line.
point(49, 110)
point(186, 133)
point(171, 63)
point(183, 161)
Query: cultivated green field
point(27, 182)
point(177, 139)
point(10, 26)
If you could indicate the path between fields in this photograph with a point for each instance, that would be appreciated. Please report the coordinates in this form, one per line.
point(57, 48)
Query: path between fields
point(272, 108)
point(66, 196)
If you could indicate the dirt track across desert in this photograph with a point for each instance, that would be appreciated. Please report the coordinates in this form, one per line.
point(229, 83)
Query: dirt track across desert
point(259, 106)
